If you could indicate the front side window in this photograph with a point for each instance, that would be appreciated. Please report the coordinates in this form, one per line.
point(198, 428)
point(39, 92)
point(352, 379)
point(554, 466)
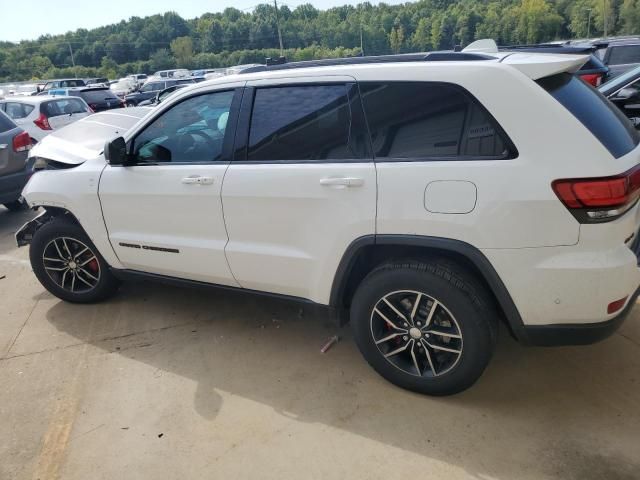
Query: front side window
point(426, 120)
point(307, 122)
point(192, 131)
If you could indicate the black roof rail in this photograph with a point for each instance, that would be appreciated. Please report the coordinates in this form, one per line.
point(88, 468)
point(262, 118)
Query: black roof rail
point(404, 57)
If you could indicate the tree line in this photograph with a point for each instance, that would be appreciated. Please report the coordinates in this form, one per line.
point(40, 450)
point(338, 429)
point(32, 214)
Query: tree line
point(234, 37)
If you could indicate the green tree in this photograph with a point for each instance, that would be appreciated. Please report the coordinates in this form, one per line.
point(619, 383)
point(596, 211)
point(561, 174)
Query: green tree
point(182, 49)
point(396, 39)
point(161, 60)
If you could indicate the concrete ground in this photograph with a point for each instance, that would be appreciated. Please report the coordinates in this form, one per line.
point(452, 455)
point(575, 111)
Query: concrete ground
point(168, 383)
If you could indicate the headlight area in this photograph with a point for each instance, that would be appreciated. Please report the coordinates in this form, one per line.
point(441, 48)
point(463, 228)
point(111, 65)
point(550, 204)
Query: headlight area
point(42, 163)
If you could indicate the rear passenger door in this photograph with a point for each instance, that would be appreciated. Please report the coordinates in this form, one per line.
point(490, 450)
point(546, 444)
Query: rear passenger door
point(301, 187)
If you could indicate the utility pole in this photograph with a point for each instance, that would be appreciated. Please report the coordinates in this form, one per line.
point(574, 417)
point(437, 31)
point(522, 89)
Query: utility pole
point(604, 17)
point(73, 62)
point(275, 3)
point(361, 42)
point(589, 23)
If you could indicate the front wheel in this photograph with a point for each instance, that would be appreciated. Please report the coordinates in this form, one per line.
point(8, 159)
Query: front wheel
point(68, 265)
point(427, 327)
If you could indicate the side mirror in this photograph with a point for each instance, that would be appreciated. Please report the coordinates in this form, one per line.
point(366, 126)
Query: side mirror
point(115, 151)
point(626, 94)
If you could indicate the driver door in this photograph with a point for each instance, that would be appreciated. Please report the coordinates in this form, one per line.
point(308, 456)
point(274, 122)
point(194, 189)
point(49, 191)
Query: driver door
point(163, 211)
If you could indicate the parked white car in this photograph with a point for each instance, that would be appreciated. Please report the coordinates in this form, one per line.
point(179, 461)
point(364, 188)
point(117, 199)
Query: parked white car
point(42, 114)
point(409, 195)
point(123, 87)
point(169, 74)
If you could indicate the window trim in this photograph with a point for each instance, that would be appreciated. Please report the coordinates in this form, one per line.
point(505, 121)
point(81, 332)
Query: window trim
point(241, 145)
point(227, 144)
point(513, 151)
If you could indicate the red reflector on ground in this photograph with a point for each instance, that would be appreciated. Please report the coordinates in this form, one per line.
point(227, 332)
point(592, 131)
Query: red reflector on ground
point(617, 305)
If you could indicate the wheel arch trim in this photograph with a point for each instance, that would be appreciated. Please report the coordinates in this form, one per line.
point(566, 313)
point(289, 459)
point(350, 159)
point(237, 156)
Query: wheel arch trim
point(469, 252)
point(24, 235)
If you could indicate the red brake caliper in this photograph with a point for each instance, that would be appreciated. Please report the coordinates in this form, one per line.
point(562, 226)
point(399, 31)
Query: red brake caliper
point(93, 265)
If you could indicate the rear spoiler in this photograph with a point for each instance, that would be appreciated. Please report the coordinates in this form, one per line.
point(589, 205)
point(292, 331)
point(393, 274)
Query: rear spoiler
point(535, 65)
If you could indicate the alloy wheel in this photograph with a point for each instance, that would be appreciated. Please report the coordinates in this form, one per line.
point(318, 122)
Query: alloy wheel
point(71, 264)
point(416, 333)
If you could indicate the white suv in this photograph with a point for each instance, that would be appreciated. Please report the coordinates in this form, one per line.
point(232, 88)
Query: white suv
point(425, 198)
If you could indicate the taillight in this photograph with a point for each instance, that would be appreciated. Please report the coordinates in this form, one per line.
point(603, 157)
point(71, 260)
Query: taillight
point(593, 200)
point(21, 142)
point(42, 122)
point(594, 79)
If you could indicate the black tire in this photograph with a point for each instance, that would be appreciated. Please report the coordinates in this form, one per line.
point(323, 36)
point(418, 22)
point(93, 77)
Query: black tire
point(15, 206)
point(104, 287)
point(463, 309)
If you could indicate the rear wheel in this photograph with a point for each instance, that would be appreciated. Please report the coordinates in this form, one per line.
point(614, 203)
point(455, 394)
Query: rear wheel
point(426, 327)
point(68, 264)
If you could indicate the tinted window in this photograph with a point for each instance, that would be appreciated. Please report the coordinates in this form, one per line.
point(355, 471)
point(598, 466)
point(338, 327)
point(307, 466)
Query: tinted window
point(306, 123)
point(6, 123)
point(96, 96)
point(624, 54)
point(152, 87)
point(72, 83)
point(18, 110)
point(594, 111)
point(430, 120)
point(191, 131)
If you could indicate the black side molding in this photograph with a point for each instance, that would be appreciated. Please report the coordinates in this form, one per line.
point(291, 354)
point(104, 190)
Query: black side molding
point(575, 333)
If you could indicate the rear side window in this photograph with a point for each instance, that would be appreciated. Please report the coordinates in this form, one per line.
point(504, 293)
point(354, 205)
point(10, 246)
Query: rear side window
point(6, 123)
point(606, 122)
point(307, 122)
point(18, 110)
point(624, 54)
point(426, 120)
point(66, 106)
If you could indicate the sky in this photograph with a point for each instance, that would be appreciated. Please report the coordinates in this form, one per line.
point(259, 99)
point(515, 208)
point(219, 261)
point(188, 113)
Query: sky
point(28, 19)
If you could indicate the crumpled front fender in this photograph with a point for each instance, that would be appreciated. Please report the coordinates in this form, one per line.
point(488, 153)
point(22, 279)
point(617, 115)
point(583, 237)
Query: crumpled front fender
point(25, 234)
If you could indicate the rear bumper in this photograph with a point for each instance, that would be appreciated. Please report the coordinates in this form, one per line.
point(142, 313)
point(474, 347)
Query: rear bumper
point(11, 185)
point(574, 334)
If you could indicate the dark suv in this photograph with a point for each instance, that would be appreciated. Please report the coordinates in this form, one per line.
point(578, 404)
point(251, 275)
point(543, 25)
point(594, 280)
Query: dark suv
point(620, 55)
point(98, 98)
point(150, 89)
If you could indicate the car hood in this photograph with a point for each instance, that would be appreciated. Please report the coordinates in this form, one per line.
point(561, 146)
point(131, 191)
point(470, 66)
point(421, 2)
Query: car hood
point(85, 139)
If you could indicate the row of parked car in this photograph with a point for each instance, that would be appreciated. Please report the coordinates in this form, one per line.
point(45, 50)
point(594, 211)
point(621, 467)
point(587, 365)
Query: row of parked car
point(61, 102)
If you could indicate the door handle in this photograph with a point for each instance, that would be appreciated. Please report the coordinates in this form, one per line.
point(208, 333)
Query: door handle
point(197, 180)
point(342, 182)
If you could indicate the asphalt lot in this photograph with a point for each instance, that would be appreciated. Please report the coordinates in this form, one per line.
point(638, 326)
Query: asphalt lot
point(168, 383)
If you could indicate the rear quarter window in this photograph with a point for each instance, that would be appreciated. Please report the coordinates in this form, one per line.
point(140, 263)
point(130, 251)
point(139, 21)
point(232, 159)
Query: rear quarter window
point(431, 121)
point(603, 119)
